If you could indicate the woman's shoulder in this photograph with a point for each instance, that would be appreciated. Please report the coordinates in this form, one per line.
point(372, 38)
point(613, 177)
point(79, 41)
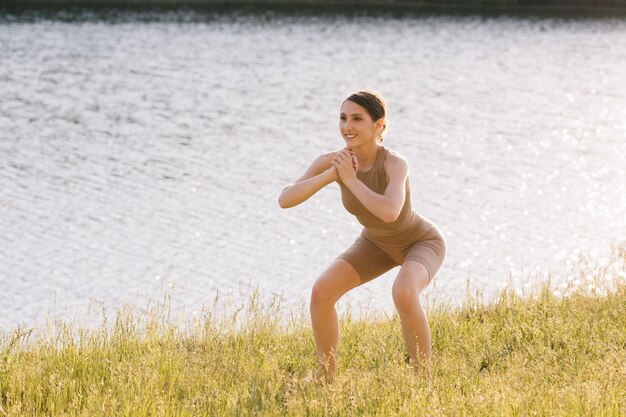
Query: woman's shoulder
point(394, 158)
point(330, 155)
point(324, 161)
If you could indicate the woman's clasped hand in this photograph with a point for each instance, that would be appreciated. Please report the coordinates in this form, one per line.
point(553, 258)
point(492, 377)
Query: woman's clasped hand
point(346, 165)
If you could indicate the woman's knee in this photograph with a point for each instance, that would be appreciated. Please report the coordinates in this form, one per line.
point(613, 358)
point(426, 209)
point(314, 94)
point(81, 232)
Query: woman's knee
point(412, 279)
point(339, 278)
point(322, 292)
point(404, 296)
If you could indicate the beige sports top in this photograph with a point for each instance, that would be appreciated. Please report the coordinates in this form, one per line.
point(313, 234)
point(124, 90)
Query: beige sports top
point(376, 180)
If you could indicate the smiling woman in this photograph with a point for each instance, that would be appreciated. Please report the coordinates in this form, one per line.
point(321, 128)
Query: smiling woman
point(374, 183)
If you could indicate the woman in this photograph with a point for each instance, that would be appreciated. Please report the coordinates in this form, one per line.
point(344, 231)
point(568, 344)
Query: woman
point(374, 185)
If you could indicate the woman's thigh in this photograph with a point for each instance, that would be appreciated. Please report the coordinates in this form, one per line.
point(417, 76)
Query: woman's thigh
point(412, 278)
point(367, 259)
point(430, 253)
point(336, 280)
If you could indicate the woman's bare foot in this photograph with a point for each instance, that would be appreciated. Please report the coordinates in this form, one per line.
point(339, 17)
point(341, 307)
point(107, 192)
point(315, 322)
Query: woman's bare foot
point(319, 376)
point(422, 370)
point(325, 376)
point(427, 376)
point(423, 373)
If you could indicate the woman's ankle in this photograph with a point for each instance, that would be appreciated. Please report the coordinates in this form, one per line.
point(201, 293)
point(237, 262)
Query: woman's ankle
point(324, 375)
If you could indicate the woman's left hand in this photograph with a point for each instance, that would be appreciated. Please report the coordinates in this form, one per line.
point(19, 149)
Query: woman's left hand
point(346, 167)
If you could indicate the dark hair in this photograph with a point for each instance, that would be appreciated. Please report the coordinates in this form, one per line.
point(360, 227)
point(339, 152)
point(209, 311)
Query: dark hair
point(373, 103)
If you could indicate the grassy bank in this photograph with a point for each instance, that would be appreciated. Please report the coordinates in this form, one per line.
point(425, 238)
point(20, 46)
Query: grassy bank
point(537, 354)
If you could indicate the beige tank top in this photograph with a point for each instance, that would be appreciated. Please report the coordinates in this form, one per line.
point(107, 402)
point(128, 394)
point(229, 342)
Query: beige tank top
point(376, 180)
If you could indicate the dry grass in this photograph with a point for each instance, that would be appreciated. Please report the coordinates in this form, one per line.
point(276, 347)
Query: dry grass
point(539, 354)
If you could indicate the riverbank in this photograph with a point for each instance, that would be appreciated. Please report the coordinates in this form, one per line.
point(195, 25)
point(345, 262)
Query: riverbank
point(537, 354)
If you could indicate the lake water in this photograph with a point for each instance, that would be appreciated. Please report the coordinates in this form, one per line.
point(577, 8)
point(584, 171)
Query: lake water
point(144, 156)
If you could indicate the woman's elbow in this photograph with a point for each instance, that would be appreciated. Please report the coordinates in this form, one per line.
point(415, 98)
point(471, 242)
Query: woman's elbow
point(282, 203)
point(391, 216)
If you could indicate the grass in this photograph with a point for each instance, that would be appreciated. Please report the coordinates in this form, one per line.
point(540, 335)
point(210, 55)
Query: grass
point(536, 354)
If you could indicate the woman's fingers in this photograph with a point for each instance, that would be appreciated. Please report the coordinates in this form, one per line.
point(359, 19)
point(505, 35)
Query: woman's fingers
point(352, 158)
point(347, 157)
point(340, 157)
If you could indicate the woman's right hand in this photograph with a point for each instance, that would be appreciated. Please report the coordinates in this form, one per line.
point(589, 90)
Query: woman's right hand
point(335, 173)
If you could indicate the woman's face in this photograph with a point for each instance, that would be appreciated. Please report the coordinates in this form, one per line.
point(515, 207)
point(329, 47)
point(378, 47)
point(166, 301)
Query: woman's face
point(356, 125)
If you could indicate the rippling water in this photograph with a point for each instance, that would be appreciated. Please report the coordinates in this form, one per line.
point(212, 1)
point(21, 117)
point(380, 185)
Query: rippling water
point(143, 157)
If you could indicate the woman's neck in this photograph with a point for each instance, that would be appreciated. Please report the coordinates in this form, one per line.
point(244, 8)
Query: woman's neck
point(366, 156)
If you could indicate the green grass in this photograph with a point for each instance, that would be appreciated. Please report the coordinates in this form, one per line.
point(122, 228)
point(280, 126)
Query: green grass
point(536, 354)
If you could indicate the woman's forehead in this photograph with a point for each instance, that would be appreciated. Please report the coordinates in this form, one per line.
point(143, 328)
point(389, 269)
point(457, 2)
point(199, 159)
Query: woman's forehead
point(351, 108)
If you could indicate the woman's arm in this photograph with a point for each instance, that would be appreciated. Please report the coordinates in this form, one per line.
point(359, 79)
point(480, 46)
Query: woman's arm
point(388, 206)
point(319, 174)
